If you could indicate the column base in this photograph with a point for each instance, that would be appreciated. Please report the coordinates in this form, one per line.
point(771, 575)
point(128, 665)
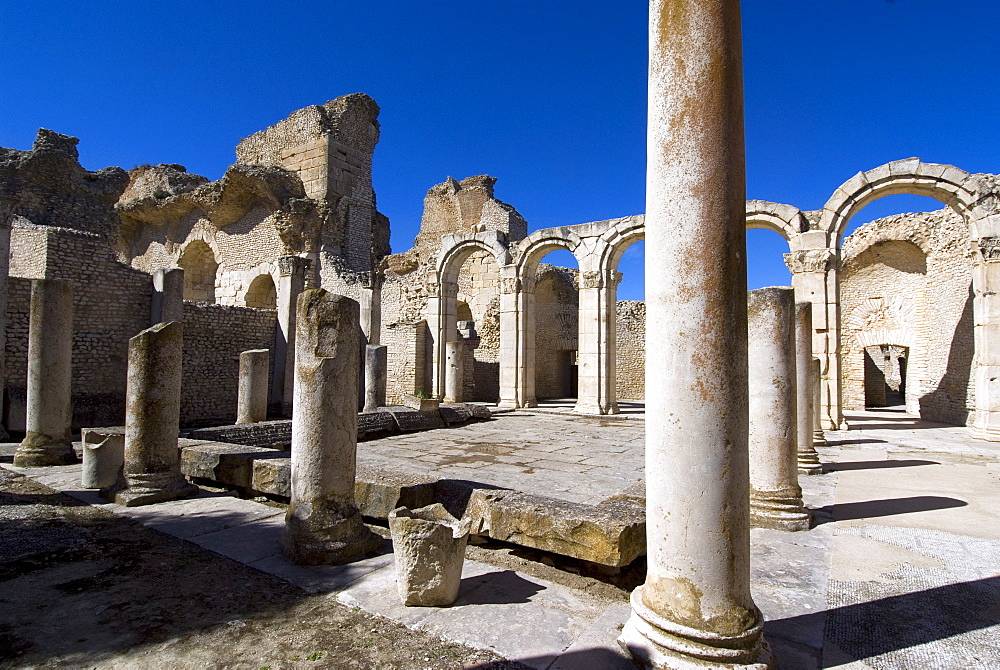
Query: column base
point(594, 409)
point(513, 404)
point(808, 461)
point(39, 450)
point(779, 510)
point(342, 540)
point(659, 643)
point(819, 439)
point(149, 489)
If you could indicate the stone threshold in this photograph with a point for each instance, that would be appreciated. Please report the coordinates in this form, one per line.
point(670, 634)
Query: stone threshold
point(611, 533)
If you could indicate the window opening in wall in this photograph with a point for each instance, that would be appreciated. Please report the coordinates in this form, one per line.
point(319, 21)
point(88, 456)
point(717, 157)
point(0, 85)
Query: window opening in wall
point(200, 270)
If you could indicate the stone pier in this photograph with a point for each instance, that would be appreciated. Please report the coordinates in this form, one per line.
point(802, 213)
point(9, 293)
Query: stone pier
point(376, 376)
point(454, 369)
point(695, 609)
point(168, 296)
point(152, 470)
point(253, 386)
point(775, 495)
point(804, 390)
point(50, 359)
point(292, 274)
point(323, 524)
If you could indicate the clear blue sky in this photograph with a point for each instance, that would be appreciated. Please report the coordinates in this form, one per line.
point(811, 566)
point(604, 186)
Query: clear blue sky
point(547, 96)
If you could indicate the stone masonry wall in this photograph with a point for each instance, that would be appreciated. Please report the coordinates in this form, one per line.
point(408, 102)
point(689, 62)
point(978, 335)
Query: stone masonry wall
point(214, 337)
point(631, 350)
point(908, 277)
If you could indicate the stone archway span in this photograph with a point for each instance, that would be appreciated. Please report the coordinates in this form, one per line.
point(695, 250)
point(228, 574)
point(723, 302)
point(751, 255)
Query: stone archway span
point(455, 249)
point(530, 251)
point(786, 220)
point(619, 236)
point(954, 187)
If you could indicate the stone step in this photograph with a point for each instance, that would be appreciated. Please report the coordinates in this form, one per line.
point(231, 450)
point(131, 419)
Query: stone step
point(612, 533)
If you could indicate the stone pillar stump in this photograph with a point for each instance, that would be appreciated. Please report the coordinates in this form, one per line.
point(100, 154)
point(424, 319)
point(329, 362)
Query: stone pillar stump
point(376, 376)
point(253, 386)
point(454, 377)
point(804, 391)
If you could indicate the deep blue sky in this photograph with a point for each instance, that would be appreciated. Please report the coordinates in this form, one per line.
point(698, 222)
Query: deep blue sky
point(547, 96)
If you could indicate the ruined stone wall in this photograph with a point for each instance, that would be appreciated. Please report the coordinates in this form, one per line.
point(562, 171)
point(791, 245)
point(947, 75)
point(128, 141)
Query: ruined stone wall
point(214, 337)
point(111, 304)
point(905, 281)
point(407, 349)
point(630, 349)
point(557, 307)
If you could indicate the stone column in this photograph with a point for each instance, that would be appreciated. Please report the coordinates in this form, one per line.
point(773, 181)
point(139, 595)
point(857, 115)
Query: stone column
point(6, 217)
point(805, 389)
point(168, 295)
point(596, 392)
point(152, 471)
point(376, 376)
point(50, 362)
point(292, 274)
point(253, 390)
point(517, 339)
point(695, 609)
point(323, 524)
point(819, 439)
point(985, 420)
point(775, 496)
point(445, 330)
point(454, 377)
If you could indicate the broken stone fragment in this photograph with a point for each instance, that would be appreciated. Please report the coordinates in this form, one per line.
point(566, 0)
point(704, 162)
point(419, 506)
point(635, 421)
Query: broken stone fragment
point(429, 544)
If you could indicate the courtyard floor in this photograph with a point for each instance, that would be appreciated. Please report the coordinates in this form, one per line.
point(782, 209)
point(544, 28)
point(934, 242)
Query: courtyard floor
point(901, 569)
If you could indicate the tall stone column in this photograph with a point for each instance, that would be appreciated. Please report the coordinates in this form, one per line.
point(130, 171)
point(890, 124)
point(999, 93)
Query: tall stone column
point(6, 216)
point(292, 275)
point(819, 439)
point(152, 470)
point(323, 524)
point(376, 376)
point(596, 392)
point(50, 372)
point(695, 609)
point(517, 339)
point(805, 390)
point(775, 496)
point(168, 295)
point(454, 377)
point(445, 330)
point(253, 390)
point(985, 423)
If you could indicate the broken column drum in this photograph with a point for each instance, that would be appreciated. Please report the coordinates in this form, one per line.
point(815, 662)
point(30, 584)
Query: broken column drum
point(253, 386)
point(323, 524)
point(805, 411)
point(695, 609)
point(50, 358)
point(429, 545)
point(454, 369)
point(152, 471)
point(775, 495)
point(376, 376)
point(103, 456)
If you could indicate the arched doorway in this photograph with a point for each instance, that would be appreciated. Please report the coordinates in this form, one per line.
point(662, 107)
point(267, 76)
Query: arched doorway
point(262, 293)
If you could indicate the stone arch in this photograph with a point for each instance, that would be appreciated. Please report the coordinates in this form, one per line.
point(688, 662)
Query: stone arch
point(455, 249)
point(201, 268)
point(948, 184)
point(532, 249)
point(262, 293)
point(619, 236)
point(786, 220)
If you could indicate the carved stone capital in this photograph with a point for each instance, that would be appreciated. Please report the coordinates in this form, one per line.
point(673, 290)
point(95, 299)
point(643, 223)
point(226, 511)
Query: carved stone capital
point(592, 279)
point(989, 247)
point(292, 265)
point(809, 260)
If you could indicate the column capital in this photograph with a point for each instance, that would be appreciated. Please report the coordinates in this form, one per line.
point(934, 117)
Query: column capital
point(517, 285)
point(291, 265)
point(810, 260)
point(989, 247)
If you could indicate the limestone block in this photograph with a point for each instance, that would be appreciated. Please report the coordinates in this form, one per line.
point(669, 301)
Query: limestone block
point(272, 476)
point(421, 404)
point(229, 464)
point(103, 456)
point(429, 544)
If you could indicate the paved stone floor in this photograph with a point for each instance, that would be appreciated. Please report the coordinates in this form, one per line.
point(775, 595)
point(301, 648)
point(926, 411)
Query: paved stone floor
point(901, 569)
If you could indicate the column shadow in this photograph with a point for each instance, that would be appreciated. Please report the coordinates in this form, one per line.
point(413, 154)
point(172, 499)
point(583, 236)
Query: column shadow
point(877, 508)
point(875, 465)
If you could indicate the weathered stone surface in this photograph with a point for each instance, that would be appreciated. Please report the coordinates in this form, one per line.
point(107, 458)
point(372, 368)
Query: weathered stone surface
point(253, 389)
point(230, 464)
point(323, 524)
point(152, 470)
point(376, 375)
point(410, 419)
point(429, 544)
point(374, 423)
point(50, 358)
point(274, 434)
point(103, 456)
point(378, 491)
point(421, 404)
point(454, 371)
point(454, 414)
point(610, 534)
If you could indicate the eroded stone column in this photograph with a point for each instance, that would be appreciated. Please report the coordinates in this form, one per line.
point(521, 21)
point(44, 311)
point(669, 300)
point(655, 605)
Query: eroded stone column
point(292, 274)
point(253, 386)
point(50, 366)
point(695, 609)
point(376, 376)
point(454, 371)
point(6, 217)
point(152, 470)
point(323, 524)
point(775, 496)
point(804, 390)
point(168, 295)
point(819, 439)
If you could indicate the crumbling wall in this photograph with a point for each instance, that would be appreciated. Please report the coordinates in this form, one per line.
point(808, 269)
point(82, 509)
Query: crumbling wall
point(630, 349)
point(214, 337)
point(911, 273)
